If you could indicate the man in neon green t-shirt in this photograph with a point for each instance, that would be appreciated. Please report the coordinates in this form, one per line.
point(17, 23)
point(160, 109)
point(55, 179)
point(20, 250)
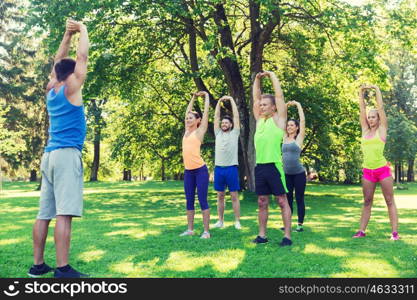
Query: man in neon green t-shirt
point(269, 173)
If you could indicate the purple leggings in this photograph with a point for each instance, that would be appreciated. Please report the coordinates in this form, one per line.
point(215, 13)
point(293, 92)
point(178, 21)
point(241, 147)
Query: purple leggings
point(197, 178)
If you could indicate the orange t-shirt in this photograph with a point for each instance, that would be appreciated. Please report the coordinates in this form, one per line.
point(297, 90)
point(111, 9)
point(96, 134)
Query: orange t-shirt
point(191, 152)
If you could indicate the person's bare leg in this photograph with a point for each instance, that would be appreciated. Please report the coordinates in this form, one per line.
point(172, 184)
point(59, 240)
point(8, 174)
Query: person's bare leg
point(286, 214)
point(39, 233)
point(263, 203)
point(236, 205)
point(387, 187)
point(220, 206)
point(368, 188)
point(190, 219)
point(206, 219)
point(62, 239)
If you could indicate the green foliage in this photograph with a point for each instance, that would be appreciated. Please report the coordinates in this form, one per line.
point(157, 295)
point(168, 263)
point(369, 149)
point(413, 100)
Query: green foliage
point(402, 138)
point(109, 169)
point(402, 98)
point(147, 56)
point(22, 111)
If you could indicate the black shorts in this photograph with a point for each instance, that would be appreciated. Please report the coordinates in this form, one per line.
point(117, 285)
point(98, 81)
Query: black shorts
point(269, 180)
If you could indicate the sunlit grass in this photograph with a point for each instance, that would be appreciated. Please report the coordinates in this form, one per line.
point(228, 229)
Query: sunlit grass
point(4, 242)
point(314, 249)
point(17, 209)
point(129, 269)
point(368, 267)
point(131, 230)
point(221, 261)
point(91, 255)
point(134, 233)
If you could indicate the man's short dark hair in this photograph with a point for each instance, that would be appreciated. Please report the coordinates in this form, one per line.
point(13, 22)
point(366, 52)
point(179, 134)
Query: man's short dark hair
point(64, 68)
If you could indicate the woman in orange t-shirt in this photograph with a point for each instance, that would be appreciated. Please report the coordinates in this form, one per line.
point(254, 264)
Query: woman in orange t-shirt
point(196, 174)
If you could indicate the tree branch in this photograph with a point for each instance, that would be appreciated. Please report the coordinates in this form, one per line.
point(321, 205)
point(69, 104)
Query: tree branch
point(162, 98)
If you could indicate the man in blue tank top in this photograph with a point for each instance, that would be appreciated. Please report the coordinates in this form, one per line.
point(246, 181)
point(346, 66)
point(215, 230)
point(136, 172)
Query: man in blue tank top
point(61, 164)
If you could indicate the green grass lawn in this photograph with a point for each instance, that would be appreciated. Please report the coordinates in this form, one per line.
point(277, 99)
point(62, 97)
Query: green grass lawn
point(131, 230)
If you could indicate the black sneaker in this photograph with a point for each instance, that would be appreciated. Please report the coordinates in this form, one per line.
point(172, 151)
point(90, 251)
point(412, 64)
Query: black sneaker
point(285, 242)
point(260, 240)
point(69, 273)
point(38, 270)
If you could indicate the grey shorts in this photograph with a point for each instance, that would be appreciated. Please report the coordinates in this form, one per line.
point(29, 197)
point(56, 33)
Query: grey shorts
point(62, 184)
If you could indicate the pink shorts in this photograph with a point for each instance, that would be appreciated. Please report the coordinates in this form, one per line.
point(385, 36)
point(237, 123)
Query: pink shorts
point(376, 175)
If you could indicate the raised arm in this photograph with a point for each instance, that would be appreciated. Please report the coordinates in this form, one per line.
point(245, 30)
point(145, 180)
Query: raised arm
point(362, 109)
point(279, 100)
point(279, 95)
point(202, 129)
point(76, 80)
point(301, 135)
point(235, 111)
point(190, 106)
point(217, 115)
point(256, 94)
point(236, 118)
point(380, 106)
point(65, 45)
point(62, 52)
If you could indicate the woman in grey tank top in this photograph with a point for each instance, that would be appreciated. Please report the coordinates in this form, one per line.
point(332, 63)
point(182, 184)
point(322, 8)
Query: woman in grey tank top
point(295, 173)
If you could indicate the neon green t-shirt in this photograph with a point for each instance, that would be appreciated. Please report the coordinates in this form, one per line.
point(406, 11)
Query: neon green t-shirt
point(373, 152)
point(268, 141)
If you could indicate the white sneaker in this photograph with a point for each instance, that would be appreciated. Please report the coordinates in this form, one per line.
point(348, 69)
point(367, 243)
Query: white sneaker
point(219, 224)
point(187, 232)
point(237, 225)
point(205, 235)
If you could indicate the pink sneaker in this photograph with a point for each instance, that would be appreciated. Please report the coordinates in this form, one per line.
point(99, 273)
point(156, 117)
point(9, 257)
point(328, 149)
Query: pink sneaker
point(395, 236)
point(359, 234)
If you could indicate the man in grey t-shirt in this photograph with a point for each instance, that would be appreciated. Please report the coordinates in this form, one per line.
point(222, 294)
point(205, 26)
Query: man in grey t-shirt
point(226, 160)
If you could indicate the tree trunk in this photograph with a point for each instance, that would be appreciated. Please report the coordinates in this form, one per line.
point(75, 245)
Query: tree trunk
point(259, 38)
point(141, 173)
point(229, 65)
point(163, 169)
point(401, 172)
point(46, 135)
point(95, 110)
point(233, 78)
point(96, 159)
point(127, 175)
point(235, 85)
point(33, 176)
point(410, 171)
point(397, 173)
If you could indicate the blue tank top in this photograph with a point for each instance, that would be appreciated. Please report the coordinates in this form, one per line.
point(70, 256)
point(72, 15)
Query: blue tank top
point(67, 127)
